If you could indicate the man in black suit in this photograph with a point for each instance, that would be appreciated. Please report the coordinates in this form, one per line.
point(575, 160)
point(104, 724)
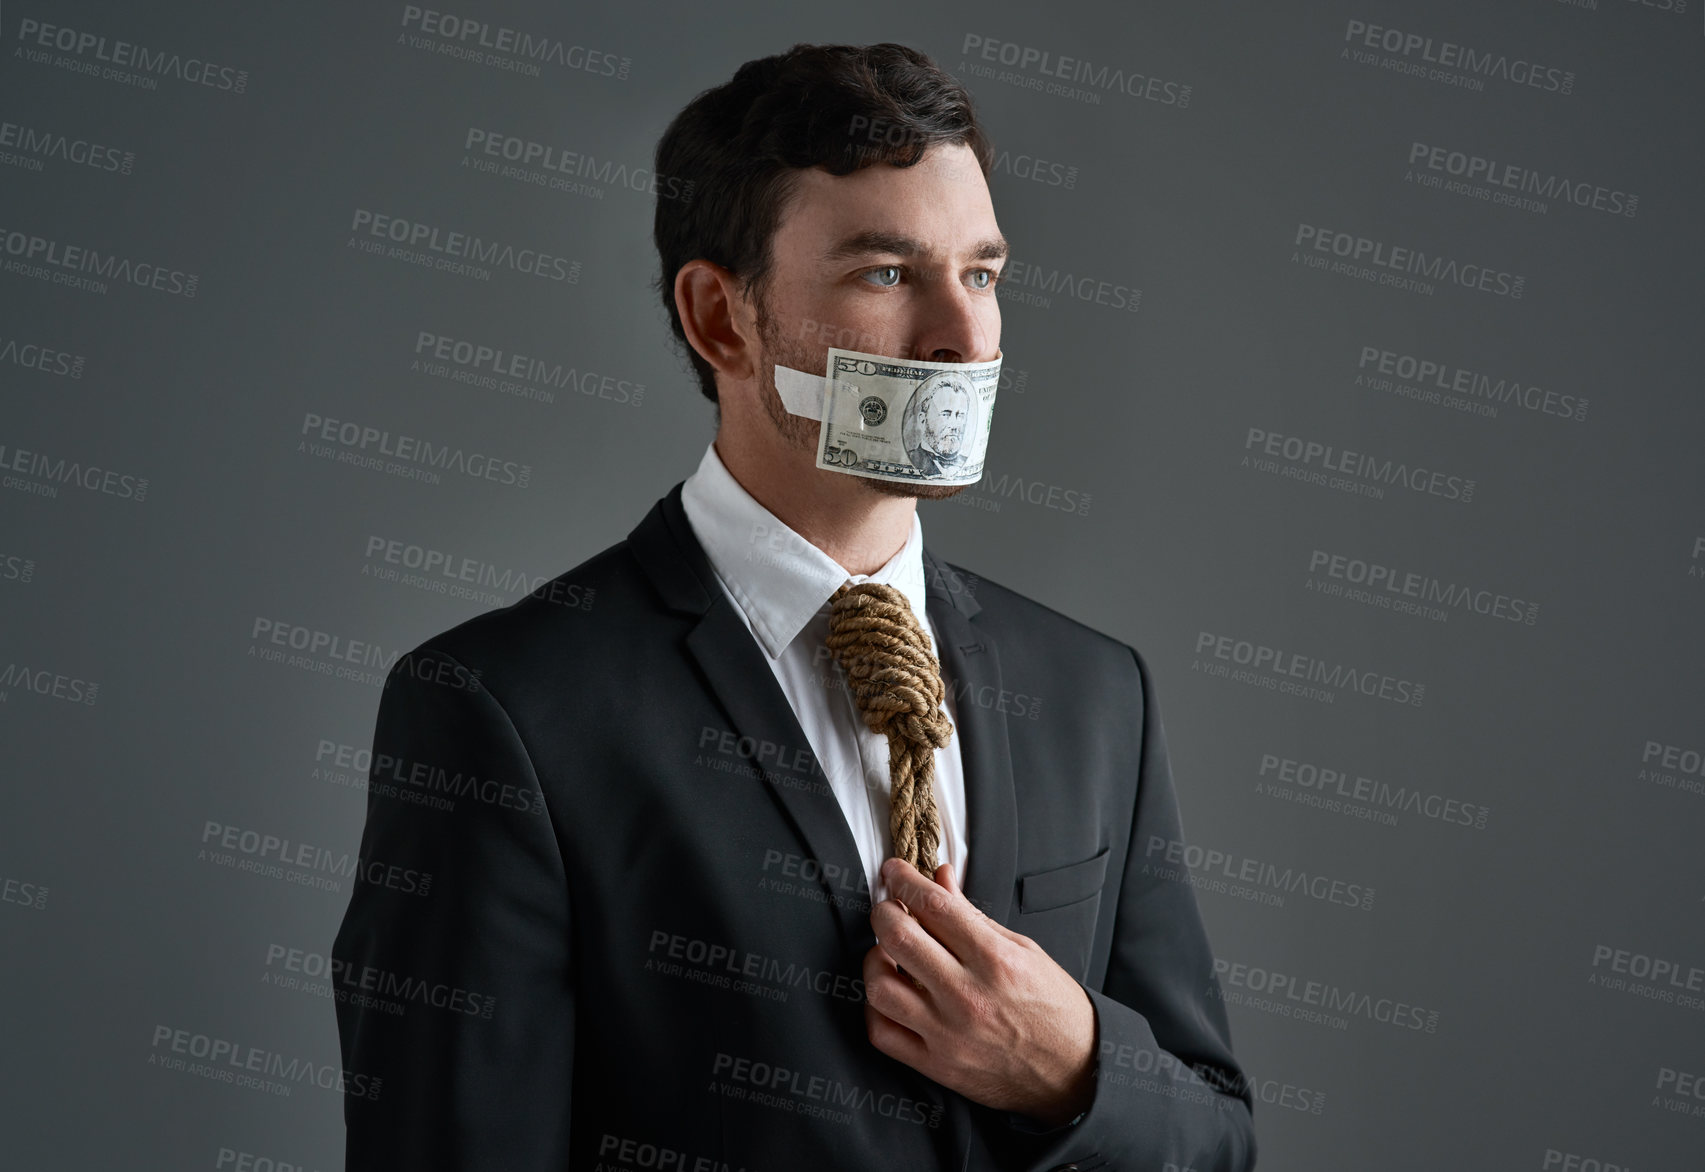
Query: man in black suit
point(655, 935)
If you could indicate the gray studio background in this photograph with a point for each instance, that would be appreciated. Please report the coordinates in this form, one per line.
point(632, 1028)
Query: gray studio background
point(1184, 340)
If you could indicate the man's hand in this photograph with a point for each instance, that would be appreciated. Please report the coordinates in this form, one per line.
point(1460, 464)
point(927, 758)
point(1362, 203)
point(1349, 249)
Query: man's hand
point(980, 1009)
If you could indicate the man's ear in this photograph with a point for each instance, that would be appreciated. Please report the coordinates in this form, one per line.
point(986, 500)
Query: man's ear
point(718, 321)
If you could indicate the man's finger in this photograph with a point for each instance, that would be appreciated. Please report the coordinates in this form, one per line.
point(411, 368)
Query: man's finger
point(894, 993)
point(908, 942)
point(944, 912)
point(945, 877)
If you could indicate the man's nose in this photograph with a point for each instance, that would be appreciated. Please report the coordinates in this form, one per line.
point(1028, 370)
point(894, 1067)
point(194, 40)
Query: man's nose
point(953, 327)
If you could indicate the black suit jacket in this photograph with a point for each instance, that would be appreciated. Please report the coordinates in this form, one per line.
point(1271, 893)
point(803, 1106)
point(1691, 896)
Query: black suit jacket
point(641, 939)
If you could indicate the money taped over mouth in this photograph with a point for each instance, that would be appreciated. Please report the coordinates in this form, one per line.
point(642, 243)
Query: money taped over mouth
point(895, 418)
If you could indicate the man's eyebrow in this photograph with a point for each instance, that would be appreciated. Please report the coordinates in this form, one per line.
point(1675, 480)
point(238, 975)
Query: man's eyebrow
point(898, 244)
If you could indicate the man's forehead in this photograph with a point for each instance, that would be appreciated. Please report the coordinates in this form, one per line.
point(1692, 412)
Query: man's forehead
point(906, 241)
point(896, 211)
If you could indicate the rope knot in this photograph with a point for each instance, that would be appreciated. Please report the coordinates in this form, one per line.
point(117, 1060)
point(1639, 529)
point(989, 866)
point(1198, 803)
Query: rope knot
point(897, 687)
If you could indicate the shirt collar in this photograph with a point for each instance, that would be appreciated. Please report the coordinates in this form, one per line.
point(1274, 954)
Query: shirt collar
point(779, 579)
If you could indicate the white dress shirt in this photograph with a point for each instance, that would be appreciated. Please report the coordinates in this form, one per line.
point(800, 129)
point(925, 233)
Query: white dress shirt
point(781, 583)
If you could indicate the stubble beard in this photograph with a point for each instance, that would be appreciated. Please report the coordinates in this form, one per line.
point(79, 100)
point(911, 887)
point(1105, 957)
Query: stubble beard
point(802, 434)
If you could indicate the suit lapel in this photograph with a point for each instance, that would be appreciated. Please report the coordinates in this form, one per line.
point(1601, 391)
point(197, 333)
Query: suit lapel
point(748, 691)
point(971, 666)
point(735, 666)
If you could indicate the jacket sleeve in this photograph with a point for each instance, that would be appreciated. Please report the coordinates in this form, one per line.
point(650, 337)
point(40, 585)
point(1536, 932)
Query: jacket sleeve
point(454, 995)
point(1168, 1091)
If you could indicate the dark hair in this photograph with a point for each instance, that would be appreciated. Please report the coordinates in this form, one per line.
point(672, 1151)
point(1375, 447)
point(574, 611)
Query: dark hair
point(737, 148)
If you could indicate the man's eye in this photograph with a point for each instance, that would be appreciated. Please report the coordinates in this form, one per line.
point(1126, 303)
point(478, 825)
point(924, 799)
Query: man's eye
point(895, 269)
point(989, 278)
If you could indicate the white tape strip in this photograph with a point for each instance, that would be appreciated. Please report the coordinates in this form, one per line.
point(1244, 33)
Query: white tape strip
point(801, 393)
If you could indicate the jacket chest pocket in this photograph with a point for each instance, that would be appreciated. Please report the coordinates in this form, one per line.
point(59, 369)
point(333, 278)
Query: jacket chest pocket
point(1057, 908)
